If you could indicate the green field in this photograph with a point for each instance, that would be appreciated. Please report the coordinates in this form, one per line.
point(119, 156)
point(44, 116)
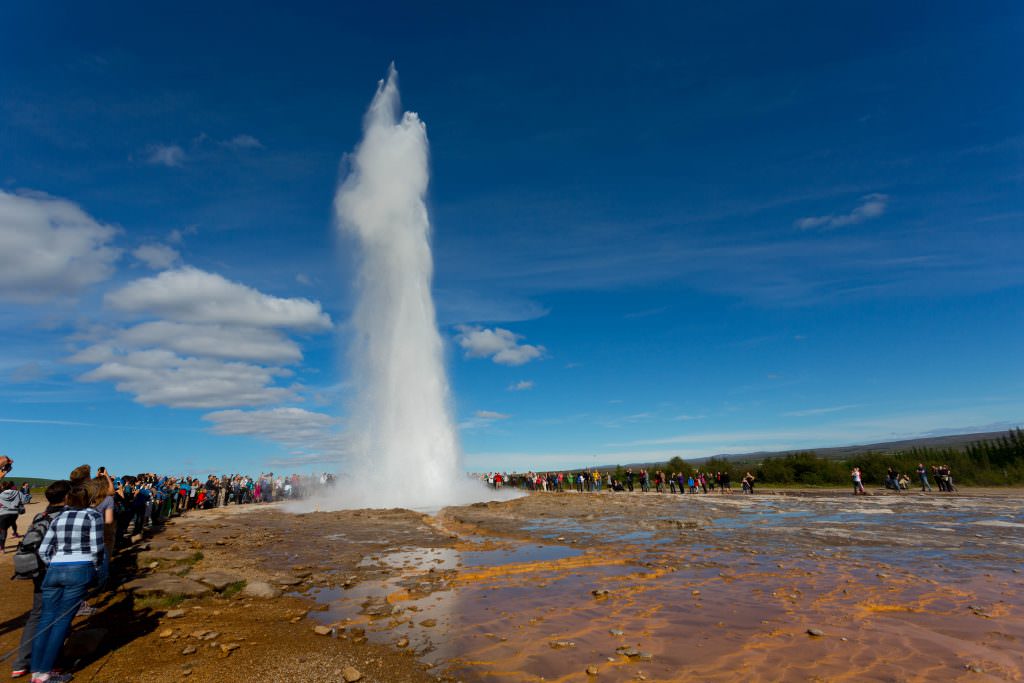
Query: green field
point(38, 484)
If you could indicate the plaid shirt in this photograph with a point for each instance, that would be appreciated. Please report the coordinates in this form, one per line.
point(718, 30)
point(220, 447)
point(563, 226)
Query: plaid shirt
point(74, 536)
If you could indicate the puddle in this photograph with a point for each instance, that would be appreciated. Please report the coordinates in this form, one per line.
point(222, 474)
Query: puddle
point(738, 581)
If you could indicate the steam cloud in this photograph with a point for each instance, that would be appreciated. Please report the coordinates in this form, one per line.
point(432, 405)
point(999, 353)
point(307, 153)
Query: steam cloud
point(402, 444)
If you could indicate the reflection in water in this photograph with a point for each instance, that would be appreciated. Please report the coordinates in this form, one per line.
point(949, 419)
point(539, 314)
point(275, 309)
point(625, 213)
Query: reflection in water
point(714, 589)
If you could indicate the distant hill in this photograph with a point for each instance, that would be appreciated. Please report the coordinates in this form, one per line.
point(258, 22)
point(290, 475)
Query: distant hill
point(846, 452)
point(838, 452)
point(36, 483)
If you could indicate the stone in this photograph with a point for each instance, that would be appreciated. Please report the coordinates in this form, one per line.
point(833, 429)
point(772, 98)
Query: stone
point(616, 632)
point(591, 670)
point(167, 633)
point(561, 644)
point(645, 656)
point(260, 589)
point(174, 613)
point(210, 635)
point(190, 650)
point(351, 674)
point(217, 579)
point(816, 632)
point(322, 630)
point(428, 623)
point(287, 580)
point(600, 592)
point(167, 555)
point(228, 648)
point(167, 584)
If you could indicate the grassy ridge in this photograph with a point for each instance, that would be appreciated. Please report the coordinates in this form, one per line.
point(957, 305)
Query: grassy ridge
point(38, 484)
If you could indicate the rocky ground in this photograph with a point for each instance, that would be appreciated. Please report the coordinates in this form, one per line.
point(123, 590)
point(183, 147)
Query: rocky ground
point(569, 587)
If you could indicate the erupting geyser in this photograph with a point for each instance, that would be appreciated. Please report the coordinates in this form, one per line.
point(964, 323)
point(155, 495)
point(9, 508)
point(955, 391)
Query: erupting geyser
point(402, 442)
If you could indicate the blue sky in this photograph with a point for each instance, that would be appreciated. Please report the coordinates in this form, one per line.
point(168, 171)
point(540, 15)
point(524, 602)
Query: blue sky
point(658, 230)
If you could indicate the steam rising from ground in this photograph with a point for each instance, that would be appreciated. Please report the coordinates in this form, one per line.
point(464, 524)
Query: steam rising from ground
point(403, 447)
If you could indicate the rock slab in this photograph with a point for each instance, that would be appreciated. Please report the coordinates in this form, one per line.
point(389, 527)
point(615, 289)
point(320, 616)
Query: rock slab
point(167, 584)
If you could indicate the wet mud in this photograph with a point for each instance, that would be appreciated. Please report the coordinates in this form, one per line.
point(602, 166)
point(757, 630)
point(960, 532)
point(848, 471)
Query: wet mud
point(784, 586)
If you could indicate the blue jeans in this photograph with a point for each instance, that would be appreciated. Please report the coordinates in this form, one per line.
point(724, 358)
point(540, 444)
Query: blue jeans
point(63, 589)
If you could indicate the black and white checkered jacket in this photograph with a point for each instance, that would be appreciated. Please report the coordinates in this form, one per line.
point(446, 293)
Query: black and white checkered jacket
point(76, 535)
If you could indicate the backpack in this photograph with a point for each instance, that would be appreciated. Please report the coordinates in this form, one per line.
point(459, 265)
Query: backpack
point(27, 563)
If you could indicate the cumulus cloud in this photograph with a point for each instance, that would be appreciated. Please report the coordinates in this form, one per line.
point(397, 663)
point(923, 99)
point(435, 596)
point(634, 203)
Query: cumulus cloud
point(177, 236)
point(214, 341)
point(243, 142)
point(500, 345)
point(50, 247)
point(165, 155)
point(161, 377)
point(523, 385)
point(157, 256)
point(312, 434)
point(871, 206)
point(483, 418)
point(188, 294)
point(491, 415)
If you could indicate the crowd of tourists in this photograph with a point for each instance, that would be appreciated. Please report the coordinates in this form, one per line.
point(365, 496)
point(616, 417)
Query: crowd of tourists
point(67, 548)
point(696, 482)
point(900, 481)
point(643, 479)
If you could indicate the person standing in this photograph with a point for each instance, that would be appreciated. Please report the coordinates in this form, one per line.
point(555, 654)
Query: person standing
point(55, 495)
point(73, 551)
point(922, 474)
point(858, 485)
point(11, 507)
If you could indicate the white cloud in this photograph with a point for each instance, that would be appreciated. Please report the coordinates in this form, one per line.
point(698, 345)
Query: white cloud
point(214, 344)
point(243, 141)
point(483, 418)
point(871, 206)
point(304, 279)
point(522, 385)
point(312, 434)
point(687, 418)
point(161, 377)
point(500, 345)
point(157, 256)
point(188, 294)
point(49, 247)
point(819, 411)
point(177, 236)
point(166, 155)
point(214, 341)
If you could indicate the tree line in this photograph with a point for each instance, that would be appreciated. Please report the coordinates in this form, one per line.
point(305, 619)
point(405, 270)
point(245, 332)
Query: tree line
point(992, 462)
